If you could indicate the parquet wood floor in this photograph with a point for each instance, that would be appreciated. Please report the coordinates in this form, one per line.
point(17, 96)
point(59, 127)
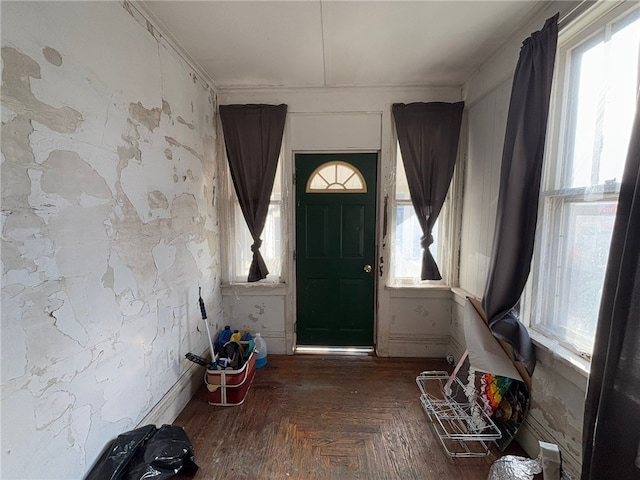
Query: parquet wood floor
point(326, 417)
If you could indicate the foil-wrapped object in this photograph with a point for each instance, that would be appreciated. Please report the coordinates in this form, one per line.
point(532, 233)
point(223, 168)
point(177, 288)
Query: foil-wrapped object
point(512, 467)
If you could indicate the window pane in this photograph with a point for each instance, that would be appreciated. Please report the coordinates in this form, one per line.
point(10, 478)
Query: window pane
point(353, 183)
point(407, 252)
point(337, 176)
point(318, 182)
point(271, 248)
point(604, 72)
point(402, 186)
point(276, 192)
point(343, 173)
point(604, 85)
point(583, 259)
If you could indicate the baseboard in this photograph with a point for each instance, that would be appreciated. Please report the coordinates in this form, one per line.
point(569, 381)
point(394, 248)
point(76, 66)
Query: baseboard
point(455, 349)
point(276, 342)
point(410, 345)
point(532, 431)
point(174, 401)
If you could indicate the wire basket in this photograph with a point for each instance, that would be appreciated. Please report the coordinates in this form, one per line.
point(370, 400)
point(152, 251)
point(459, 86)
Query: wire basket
point(460, 422)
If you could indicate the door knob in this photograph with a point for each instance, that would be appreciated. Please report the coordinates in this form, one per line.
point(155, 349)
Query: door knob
point(367, 268)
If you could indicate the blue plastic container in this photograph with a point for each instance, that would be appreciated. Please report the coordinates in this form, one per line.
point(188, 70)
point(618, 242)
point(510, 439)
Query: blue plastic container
point(261, 350)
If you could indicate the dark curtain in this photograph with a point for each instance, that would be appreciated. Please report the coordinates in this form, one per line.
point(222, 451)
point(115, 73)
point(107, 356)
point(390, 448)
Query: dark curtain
point(520, 174)
point(611, 430)
point(253, 136)
point(428, 135)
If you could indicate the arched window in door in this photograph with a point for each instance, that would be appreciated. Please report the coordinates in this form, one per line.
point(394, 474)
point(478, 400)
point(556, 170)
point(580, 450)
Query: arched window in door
point(336, 177)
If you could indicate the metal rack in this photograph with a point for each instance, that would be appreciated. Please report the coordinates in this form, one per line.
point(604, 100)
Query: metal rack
point(460, 422)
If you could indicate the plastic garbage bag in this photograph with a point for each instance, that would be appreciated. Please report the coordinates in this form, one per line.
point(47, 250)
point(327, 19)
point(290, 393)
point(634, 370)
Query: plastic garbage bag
point(115, 460)
point(168, 452)
point(146, 453)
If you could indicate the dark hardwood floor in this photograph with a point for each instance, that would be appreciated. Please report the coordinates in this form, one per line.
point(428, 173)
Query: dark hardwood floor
point(327, 417)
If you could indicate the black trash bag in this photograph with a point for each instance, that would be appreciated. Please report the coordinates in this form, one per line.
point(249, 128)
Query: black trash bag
point(115, 459)
point(146, 452)
point(168, 452)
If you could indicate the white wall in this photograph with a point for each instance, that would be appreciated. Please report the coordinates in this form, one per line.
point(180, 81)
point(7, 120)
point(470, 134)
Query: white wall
point(339, 120)
point(108, 228)
point(487, 121)
point(419, 322)
point(557, 398)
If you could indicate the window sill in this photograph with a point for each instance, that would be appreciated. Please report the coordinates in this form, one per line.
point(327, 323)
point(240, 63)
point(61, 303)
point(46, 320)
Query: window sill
point(412, 283)
point(254, 288)
point(415, 291)
point(557, 351)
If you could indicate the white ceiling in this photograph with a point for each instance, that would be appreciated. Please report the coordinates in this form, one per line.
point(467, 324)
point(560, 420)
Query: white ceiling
point(340, 43)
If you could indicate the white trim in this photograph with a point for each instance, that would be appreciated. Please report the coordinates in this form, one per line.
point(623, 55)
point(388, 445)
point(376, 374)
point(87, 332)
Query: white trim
point(240, 89)
point(531, 432)
point(143, 10)
point(335, 100)
point(578, 364)
point(177, 398)
point(418, 345)
point(419, 291)
point(460, 295)
point(254, 289)
point(319, 350)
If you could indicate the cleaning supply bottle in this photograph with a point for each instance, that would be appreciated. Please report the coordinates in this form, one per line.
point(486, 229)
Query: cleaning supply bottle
point(261, 350)
point(235, 336)
point(223, 337)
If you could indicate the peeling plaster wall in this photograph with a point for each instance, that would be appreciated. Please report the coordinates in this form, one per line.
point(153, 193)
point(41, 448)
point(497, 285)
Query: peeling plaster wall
point(558, 390)
point(108, 228)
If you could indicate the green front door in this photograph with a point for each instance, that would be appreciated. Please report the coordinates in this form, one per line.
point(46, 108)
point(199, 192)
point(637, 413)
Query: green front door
point(335, 248)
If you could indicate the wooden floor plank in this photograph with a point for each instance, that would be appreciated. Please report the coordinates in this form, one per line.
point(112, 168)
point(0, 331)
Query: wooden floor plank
point(326, 417)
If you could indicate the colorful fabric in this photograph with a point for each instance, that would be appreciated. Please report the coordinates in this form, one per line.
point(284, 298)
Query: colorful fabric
point(492, 390)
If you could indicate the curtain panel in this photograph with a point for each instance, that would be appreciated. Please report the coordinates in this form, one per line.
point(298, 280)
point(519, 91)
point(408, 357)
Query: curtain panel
point(611, 429)
point(428, 134)
point(520, 177)
point(253, 137)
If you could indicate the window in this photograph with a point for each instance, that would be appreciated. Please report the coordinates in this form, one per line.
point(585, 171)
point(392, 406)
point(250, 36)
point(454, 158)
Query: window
point(240, 240)
point(406, 250)
point(597, 83)
point(336, 177)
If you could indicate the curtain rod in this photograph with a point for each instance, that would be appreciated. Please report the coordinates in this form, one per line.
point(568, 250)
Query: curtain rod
point(575, 12)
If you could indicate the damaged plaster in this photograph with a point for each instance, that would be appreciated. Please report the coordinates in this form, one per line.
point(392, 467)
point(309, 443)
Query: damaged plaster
point(174, 143)
point(52, 56)
point(102, 252)
point(150, 118)
point(17, 96)
point(184, 122)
